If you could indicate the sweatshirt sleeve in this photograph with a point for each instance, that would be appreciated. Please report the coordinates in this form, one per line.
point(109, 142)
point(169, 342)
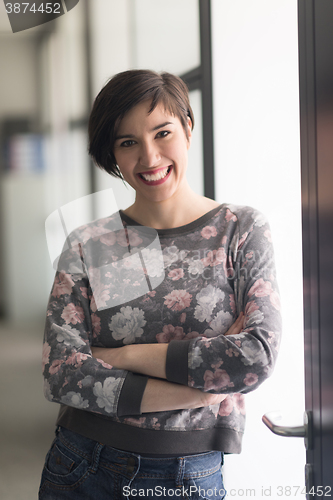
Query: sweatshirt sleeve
point(218, 363)
point(72, 376)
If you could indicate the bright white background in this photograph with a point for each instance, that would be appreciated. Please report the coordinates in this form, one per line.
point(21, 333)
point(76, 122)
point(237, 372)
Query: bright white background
point(257, 160)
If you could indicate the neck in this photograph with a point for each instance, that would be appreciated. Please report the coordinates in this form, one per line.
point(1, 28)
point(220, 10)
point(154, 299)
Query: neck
point(174, 212)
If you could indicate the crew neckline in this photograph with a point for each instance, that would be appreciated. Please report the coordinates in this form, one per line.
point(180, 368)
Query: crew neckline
point(176, 230)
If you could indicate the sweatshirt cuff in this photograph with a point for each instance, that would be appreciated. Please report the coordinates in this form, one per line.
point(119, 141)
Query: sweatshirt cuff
point(177, 362)
point(131, 395)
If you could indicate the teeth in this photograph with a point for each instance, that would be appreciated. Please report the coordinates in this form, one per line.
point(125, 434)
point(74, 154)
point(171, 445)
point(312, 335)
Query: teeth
point(156, 177)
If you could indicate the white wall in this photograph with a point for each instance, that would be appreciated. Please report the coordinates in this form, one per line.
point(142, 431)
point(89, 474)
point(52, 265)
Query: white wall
point(256, 133)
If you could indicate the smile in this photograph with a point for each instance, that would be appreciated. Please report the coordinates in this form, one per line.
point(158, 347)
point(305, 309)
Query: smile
point(158, 177)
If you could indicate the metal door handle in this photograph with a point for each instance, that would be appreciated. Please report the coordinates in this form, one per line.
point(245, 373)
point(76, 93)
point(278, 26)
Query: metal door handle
point(287, 431)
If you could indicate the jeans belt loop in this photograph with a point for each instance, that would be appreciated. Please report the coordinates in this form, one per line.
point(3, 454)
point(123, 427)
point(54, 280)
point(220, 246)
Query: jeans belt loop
point(95, 458)
point(181, 472)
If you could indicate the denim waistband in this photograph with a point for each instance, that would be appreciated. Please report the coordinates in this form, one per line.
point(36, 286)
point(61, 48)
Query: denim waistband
point(128, 464)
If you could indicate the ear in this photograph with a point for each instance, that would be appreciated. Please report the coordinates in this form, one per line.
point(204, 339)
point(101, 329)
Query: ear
point(189, 131)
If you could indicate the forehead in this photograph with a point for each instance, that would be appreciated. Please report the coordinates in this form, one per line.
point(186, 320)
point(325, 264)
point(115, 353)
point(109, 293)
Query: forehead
point(139, 117)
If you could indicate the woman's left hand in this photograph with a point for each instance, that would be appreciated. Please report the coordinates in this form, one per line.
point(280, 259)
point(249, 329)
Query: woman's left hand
point(237, 326)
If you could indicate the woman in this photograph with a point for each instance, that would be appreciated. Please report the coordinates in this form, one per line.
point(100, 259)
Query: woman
point(161, 317)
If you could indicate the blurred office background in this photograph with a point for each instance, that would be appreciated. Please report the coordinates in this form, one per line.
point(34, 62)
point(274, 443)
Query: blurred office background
point(240, 61)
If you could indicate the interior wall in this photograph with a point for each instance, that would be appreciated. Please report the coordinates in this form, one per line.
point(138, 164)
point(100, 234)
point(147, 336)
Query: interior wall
point(257, 163)
point(18, 85)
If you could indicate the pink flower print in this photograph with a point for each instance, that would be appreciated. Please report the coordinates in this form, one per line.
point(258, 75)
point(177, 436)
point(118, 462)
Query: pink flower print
point(268, 235)
point(84, 291)
point(76, 359)
point(239, 403)
point(45, 354)
point(271, 337)
point(230, 216)
point(249, 255)
point(250, 308)
point(232, 302)
point(137, 422)
point(152, 294)
point(230, 270)
point(103, 363)
point(176, 274)
point(101, 295)
point(92, 232)
point(178, 300)
point(260, 288)
point(226, 407)
point(217, 380)
point(275, 300)
point(73, 314)
point(242, 240)
point(108, 239)
point(55, 367)
point(238, 343)
point(96, 324)
point(63, 285)
point(224, 240)
point(217, 365)
point(250, 379)
point(170, 333)
point(128, 236)
point(215, 257)
point(155, 424)
point(232, 352)
point(182, 317)
point(208, 231)
point(192, 335)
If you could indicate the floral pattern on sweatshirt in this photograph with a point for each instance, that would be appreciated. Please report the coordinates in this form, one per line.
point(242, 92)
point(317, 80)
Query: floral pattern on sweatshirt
point(206, 273)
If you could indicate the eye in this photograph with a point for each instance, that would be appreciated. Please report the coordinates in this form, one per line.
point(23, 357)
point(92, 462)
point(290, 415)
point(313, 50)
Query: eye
point(127, 144)
point(162, 133)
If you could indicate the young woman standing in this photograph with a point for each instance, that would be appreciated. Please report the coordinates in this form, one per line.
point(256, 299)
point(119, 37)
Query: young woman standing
point(152, 383)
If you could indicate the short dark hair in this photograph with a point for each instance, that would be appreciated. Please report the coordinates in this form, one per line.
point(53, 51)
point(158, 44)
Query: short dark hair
point(120, 94)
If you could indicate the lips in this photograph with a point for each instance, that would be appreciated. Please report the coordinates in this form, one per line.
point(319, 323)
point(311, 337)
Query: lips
point(156, 177)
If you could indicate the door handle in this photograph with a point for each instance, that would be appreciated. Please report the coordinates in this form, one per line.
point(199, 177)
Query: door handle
point(304, 431)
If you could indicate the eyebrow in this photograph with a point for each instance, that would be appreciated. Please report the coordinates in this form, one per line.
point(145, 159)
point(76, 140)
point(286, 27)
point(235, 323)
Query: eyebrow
point(130, 136)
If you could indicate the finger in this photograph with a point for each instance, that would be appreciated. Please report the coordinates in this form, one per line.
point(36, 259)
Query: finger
point(237, 326)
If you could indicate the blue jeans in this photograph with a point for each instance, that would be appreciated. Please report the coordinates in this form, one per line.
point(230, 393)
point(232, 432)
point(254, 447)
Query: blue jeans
point(80, 468)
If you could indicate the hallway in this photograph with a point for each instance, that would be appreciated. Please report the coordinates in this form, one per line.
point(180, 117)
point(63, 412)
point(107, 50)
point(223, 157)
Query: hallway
point(27, 419)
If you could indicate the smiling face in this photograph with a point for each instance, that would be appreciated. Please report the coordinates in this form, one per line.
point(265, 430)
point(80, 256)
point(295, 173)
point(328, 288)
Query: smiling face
point(151, 152)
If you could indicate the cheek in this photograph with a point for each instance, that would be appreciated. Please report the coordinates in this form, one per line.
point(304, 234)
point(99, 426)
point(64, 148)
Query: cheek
point(125, 161)
point(178, 151)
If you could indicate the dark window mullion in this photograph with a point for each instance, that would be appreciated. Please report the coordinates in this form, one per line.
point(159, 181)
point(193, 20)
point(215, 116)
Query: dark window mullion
point(201, 78)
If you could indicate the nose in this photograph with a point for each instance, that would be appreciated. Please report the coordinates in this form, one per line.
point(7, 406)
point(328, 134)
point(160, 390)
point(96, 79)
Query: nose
point(149, 155)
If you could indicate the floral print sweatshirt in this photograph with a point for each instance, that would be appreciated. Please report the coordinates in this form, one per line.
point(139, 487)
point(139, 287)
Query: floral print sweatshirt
point(120, 283)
